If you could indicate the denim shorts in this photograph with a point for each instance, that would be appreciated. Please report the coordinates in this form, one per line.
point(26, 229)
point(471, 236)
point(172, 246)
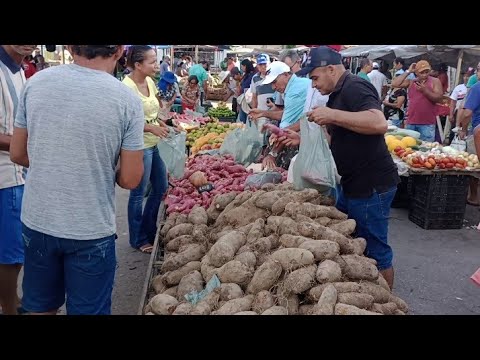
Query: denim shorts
point(83, 270)
point(11, 244)
point(371, 215)
point(427, 132)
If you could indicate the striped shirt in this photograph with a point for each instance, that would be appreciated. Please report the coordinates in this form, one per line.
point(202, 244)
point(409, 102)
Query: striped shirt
point(12, 80)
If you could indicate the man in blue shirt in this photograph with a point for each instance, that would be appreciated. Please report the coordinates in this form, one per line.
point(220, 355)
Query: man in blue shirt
point(295, 91)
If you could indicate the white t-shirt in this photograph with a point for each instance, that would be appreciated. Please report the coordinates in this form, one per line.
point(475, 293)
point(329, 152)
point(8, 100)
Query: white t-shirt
point(314, 99)
point(378, 80)
point(458, 94)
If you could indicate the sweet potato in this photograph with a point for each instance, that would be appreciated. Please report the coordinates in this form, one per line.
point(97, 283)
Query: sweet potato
point(183, 309)
point(305, 309)
point(226, 247)
point(198, 216)
point(265, 244)
point(357, 268)
point(290, 302)
point(324, 221)
point(380, 295)
point(194, 252)
point(181, 219)
point(401, 305)
point(169, 223)
point(158, 284)
point(268, 187)
point(257, 231)
point(179, 230)
point(173, 277)
point(359, 246)
point(236, 305)
point(300, 280)
point(327, 301)
point(316, 231)
point(385, 309)
point(344, 309)
point(263, 301)
point(362, 301)
point(313, 211)
point(243, 215)
point(234, 272)
point(246, 313)
point(190, 282)
point(266, 201)
point(292, 241)
point(328, 271)
point(207, 269)
point(281, 225)
point(172, 291)
point(162, 304)
point(321, 249)
point(265, 277)
point(174, 244)
point(221, 201)
point(291, 258)
point(230, 291)
point(276, 310)
point(346, 227)
point(382, 282)
point(247, 258)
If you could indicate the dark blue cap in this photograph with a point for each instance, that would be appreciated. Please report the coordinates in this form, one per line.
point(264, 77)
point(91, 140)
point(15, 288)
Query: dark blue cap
point(320, 57)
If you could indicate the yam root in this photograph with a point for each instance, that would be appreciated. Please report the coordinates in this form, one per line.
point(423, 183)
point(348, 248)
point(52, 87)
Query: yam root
point(344, 309)
point(194, 252)
point(292, 258)
point(276, 310)
point(327, 301)
point(300, 280)
point(346, 227)
point(265, 277)
point(234, 272)
point(362, 301)
point(226, 247)
point(263, 301)
point(328, 271)
point(173, 277)
point(316, 231)
point(321, 249)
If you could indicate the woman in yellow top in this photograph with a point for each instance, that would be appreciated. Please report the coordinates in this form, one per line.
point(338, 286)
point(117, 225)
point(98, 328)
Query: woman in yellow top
point(142, 223)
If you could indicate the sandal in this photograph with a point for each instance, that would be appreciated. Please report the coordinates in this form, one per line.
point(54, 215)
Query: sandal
point(146, 249)
point(472, 203)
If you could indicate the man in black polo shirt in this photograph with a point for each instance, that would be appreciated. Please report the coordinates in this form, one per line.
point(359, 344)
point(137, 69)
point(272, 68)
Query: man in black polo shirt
point(357, 126)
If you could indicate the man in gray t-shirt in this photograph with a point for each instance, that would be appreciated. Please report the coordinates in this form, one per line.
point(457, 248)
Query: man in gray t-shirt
point(73, 124)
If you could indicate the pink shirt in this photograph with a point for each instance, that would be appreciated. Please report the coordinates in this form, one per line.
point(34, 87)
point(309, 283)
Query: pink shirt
point(421, 111)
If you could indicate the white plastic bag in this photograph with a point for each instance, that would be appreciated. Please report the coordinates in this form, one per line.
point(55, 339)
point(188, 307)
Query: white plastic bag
point(458, 144)
point(172, 151)
point(314, 166)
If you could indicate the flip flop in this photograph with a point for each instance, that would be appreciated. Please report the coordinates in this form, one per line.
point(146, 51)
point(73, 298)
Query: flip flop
point(472, 203)
point(147, 249)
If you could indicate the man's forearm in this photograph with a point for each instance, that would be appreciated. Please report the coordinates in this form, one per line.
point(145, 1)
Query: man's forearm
point(295, 127)
point(398, 81)
point(368, 122)
point(5, 142)
point(273, 114)
point(432, 96)
point(463, 118)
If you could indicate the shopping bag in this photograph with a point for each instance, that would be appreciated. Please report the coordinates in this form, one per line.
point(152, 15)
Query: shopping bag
point(172, 151)
point(245, 144)
point(458, 144)
point(314, 166)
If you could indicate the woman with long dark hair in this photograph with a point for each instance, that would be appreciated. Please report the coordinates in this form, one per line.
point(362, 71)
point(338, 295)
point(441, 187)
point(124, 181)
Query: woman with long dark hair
point(142, 223)
point(248, 71)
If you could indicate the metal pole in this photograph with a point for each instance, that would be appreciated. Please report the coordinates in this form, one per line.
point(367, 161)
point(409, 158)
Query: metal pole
point(196, 54)
point(63, 54)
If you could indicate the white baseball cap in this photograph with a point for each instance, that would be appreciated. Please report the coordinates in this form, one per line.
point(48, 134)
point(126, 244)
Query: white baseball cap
point(375, 65)
point(274, 70)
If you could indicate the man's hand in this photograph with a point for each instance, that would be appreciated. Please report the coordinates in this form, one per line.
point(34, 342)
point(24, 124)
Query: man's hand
point(255, 114)
point(420, 86)
point(291, 139)
point(269, 163)
point(462, 134)
point(412, 67)
point(322, 115)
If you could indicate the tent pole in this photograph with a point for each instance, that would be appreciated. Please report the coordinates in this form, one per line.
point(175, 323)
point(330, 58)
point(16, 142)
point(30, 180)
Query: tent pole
point(196, 54)
point(459, 68)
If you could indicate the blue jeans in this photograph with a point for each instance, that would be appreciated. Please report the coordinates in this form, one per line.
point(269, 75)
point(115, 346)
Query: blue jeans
point(142, 223)
point(397, 122)
point(11, 244)
point(83, 270)
point(371, 215)
point(427, 132)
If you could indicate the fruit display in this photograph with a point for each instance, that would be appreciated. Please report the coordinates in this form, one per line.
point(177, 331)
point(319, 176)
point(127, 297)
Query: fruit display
point(395, 141)
point(222, 110)
point(437, 160)
point(209, 137)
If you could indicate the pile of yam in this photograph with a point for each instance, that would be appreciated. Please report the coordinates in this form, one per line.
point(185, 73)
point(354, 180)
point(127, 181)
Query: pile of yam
point(275, 251)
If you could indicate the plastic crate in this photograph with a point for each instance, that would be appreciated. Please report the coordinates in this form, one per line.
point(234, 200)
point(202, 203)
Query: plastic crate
point(438, 201)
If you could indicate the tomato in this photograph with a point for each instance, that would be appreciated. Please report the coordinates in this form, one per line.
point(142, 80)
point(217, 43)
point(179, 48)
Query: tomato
point(428, 165)
point(450, 165)
point(460, 166)
point(432, 161)
point(415, 160)
point(442, 166)
point(417, 166)
point(446, 161)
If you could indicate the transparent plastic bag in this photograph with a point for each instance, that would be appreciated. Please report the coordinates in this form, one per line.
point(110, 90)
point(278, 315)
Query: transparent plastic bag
point(172, 151)
point(458, 144)
point(259, 179)
point(314, 166)
point(244, 144)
